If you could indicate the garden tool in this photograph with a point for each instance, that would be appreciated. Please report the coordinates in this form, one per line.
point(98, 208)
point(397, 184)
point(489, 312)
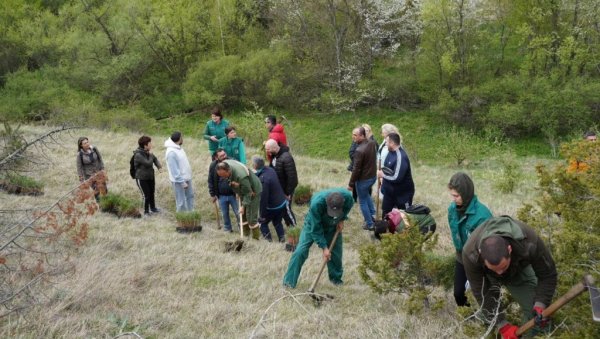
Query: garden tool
point(586, 284)
point(218, 215)
point(318, 298)
point(241, 217)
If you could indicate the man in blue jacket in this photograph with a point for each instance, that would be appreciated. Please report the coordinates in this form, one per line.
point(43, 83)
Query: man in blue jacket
point(272, 200)
point(327, 212)
point(398, 187)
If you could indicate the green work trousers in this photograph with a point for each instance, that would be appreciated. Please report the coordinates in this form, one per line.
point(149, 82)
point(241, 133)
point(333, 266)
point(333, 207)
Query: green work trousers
point(334, 266)
point(251, 216)
point(522, 289)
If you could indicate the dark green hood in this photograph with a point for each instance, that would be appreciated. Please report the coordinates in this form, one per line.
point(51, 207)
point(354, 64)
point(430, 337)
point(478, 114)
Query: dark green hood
point(503, 226)
point(463, 184)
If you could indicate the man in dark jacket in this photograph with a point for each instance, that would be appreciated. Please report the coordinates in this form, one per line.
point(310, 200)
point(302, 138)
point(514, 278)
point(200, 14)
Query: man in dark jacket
point(285, 167)
point(504, 251)
point(218, 188)
point(272, 200)
point(398, 187)
point(364, 174)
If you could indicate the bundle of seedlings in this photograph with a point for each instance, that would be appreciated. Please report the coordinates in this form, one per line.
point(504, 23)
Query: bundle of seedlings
point(188, 222)
point(119, 206)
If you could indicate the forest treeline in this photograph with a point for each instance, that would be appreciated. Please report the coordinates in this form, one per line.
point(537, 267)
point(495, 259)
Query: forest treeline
point(519, 67)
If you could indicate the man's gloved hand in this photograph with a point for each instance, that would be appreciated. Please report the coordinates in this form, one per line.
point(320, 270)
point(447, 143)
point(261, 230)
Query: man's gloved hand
point(509, 331)
point(540, 320)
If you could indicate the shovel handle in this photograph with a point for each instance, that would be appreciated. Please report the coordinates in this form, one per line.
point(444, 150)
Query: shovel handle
point(570, 295)
point(218, 216)
point(314, 284)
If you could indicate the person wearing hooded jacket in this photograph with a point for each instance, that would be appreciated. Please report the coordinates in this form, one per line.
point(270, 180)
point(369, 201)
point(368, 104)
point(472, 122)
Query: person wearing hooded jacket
point(144, 161)
point(465, 214)
point(505, 251)
point(180, 173)
point(276, 131)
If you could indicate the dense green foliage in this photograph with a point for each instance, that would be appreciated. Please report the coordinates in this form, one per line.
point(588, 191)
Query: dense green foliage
point(567, 214)
point(525, 68)
point(404, 263)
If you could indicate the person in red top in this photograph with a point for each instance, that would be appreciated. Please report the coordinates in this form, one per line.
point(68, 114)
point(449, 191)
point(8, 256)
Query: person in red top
point(276, 131)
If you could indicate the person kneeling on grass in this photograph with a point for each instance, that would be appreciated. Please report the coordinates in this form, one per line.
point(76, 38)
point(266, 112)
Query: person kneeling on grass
point(327, 212)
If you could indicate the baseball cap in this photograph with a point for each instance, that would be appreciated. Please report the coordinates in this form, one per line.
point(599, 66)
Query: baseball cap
point(335, 204)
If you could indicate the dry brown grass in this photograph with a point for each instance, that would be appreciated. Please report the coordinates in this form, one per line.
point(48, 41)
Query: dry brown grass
point(139, 275)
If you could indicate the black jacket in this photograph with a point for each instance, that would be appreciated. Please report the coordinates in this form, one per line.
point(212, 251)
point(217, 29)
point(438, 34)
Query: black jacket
point(285, 167)
point(217, 186)
point(144, 164)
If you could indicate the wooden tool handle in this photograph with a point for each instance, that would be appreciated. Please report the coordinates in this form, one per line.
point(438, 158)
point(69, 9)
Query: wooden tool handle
point(314, 284)
point(570, 295)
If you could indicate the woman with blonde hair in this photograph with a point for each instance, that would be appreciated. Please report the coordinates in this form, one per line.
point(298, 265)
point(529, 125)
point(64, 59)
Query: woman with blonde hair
point(382, 151)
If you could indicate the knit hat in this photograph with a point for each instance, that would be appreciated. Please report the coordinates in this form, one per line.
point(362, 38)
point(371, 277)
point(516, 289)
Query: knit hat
point(335, 204)
point(176, 136)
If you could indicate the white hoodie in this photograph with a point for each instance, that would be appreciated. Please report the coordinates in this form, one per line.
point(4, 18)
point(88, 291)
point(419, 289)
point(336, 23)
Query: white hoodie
point(177, 162)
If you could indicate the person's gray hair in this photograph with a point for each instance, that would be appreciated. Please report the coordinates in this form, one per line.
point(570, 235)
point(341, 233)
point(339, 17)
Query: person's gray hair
point(258, 162)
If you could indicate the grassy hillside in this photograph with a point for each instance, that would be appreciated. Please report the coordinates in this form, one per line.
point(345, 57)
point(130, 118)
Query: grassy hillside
point(329, 135)
point(140, 275)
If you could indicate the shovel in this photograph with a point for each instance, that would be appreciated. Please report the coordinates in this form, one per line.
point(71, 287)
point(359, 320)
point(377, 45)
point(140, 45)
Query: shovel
point(586, 284)
point(319, 298)
point(218, 216)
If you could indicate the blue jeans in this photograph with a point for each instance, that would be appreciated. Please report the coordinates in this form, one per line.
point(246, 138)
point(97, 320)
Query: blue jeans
point(224, 202)
point(365, 200)
point(184, 197)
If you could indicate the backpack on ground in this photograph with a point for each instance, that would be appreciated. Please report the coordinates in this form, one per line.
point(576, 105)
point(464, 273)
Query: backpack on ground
point(132, 166)
point(393, 222)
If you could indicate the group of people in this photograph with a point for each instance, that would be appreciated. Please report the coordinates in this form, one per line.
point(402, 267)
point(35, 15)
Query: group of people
point(490, 251)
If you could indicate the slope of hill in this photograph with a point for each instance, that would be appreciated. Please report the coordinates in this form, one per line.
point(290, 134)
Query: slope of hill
point(139, 275)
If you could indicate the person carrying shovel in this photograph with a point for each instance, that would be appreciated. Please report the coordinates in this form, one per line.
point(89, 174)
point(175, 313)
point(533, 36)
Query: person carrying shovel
point(504, 251)
point(327, 212)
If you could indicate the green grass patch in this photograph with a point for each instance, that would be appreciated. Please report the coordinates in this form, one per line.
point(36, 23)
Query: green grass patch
point(425, 134)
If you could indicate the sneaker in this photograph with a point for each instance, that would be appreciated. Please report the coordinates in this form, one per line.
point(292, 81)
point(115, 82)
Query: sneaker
point(147, 214)
point(155, 210)
point(367, 227)
point(228, 230)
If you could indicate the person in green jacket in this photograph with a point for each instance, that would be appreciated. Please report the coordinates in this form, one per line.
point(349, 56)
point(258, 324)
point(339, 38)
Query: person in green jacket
point(233, 146)
point(505, 251)
point(215, 129)
point(465, 214)
point(327, 212)
point(248, 188)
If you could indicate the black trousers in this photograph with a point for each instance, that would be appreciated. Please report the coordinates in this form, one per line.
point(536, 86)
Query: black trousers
point(288, 214)
point(460, 279)
point(147, 188)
